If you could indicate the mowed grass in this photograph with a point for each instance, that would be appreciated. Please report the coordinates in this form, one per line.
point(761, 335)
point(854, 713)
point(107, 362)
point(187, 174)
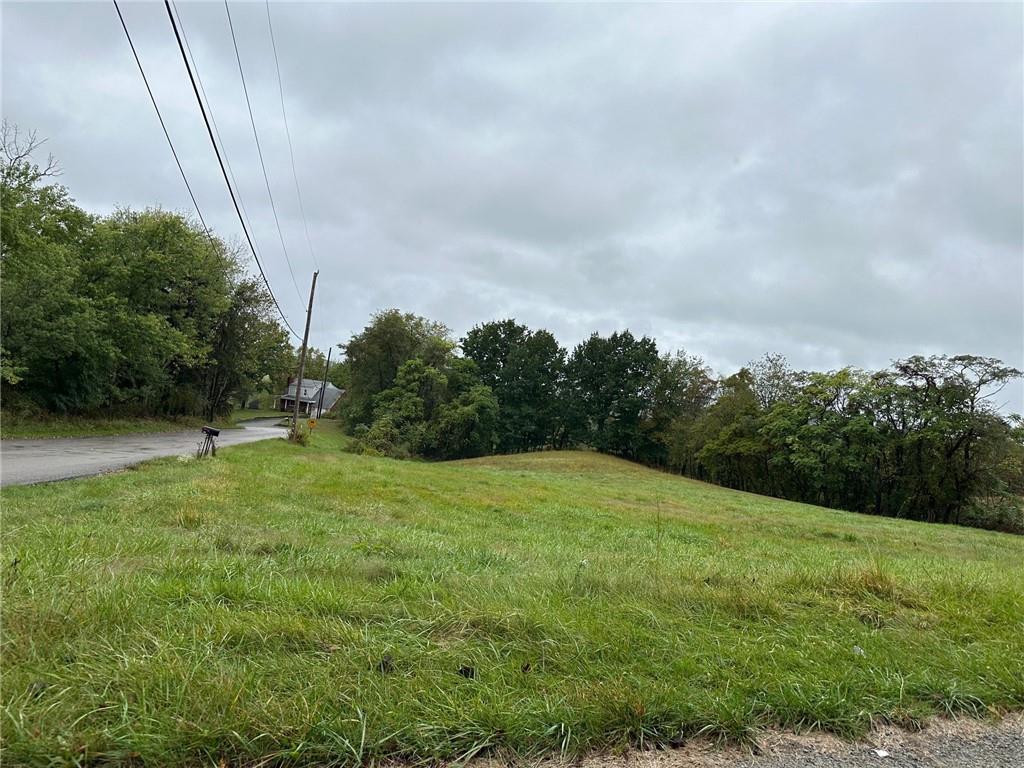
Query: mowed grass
point(51, 427)
point(18, 427)
point(244, 414)
point(307, 606)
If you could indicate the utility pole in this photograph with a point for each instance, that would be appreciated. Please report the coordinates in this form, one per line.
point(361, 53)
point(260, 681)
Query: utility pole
point(323, 387)
point(302, 360)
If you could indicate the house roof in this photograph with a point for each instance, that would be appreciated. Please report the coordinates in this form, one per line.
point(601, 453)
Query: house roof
point(310, 393)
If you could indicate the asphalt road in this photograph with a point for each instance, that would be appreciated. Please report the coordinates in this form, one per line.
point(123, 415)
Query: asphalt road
point(39, 461)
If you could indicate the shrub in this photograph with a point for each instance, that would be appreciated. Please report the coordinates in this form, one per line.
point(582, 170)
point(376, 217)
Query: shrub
point(996, 513)
point(384, 439)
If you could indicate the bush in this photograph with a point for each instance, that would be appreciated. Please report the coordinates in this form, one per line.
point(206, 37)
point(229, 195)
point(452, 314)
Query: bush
point(996, 513)
point(384, 439)
point(300, 434)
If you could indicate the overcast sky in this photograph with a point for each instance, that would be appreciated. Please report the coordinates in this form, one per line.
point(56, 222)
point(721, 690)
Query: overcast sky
point(843, 184)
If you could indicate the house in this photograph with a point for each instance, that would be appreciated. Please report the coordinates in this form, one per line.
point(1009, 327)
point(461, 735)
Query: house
point(309, 397)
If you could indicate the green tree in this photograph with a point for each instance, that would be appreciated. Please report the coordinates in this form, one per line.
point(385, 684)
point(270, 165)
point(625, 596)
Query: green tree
point(164, 287)
point(466, 426)
point(773, 380)
point(822, 441)
point(683, 389)
point(524, 370)
point(954, 425)
point(373, 357)
point(137, 312)
point(435, 411)
point(316, 363)
point(56, 353)
point(725, 441)
point(610, 382)
point(248, 345)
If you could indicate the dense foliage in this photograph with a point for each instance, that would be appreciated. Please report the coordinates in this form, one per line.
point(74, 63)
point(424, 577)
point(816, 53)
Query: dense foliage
point(918, 440)
point(138, 313)
point(524, 370)
point(409, 394)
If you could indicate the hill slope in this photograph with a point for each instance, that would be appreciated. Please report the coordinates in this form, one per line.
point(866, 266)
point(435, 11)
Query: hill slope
point(326, 607)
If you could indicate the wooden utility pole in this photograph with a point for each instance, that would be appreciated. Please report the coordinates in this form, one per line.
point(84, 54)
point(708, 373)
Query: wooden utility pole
point(302, 360)
point(323, 387)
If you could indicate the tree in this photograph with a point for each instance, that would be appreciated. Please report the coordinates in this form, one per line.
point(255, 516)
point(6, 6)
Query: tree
point(822, 441)
point(954, 424)
point(164, 286)
point(524, 369)
point(138, 312)
point(249, 344)
point(773, 380)
point(725, 444)
point(374, 356)
point(683, 389)
point(316, 364)
point(466, 426)
point(610, 381)
point(435, 411)
point(55, 350)
point(16, 152)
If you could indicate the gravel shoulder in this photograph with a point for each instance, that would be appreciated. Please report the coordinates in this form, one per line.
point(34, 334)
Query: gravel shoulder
point(942, 743)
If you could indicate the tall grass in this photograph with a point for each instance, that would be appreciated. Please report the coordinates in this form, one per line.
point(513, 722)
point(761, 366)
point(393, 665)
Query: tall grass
point(308, 606)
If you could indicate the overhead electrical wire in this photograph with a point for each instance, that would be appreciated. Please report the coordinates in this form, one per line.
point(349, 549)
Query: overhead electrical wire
point(220, 162)
point(163, 125)
point(288, 134)
point(259, 149)
point(291, 154)
point(213, 117)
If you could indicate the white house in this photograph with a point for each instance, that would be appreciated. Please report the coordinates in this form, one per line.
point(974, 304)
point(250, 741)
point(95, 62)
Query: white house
point(310, 402)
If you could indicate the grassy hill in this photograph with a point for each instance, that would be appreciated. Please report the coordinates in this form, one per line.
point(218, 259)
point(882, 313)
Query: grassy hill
point(321, 607)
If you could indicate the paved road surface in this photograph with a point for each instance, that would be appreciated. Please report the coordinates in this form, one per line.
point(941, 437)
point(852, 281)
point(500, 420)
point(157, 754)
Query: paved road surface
point(38, 461)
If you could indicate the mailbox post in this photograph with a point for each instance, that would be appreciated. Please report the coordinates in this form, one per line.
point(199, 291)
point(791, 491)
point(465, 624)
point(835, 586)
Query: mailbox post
point(209, 446)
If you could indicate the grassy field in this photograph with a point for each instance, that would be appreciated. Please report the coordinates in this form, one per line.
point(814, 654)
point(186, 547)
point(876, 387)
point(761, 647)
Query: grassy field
point(12, 427)
point(40, 427)
point(308, 606)
point(263, 413)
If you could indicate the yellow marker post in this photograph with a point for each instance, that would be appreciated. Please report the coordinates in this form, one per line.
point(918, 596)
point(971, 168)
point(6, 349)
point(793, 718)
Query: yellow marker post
point(311, 423)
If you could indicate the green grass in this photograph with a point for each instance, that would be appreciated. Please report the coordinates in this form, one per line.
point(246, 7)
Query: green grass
point(12, 427)
point(243, 414)
point(310, 606)
point(52, 427)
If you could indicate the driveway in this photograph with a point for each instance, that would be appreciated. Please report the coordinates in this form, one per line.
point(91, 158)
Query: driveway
point(40, 461)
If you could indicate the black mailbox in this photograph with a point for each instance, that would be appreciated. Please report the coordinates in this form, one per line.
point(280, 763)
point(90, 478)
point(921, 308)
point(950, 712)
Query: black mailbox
point(211, 431)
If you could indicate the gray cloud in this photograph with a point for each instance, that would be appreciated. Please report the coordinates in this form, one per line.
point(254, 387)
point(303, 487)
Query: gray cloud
point(840, 183)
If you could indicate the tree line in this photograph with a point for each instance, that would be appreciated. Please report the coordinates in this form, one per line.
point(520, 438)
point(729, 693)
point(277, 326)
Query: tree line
point(147, 313)
point(135, 313)
point(920, 439)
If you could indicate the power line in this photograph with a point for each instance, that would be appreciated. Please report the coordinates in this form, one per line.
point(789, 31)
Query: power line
point(291, 152)
point(220, 161)
point(259, 149)
point(288, 133)
point(163, 125)
point(213, 118)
